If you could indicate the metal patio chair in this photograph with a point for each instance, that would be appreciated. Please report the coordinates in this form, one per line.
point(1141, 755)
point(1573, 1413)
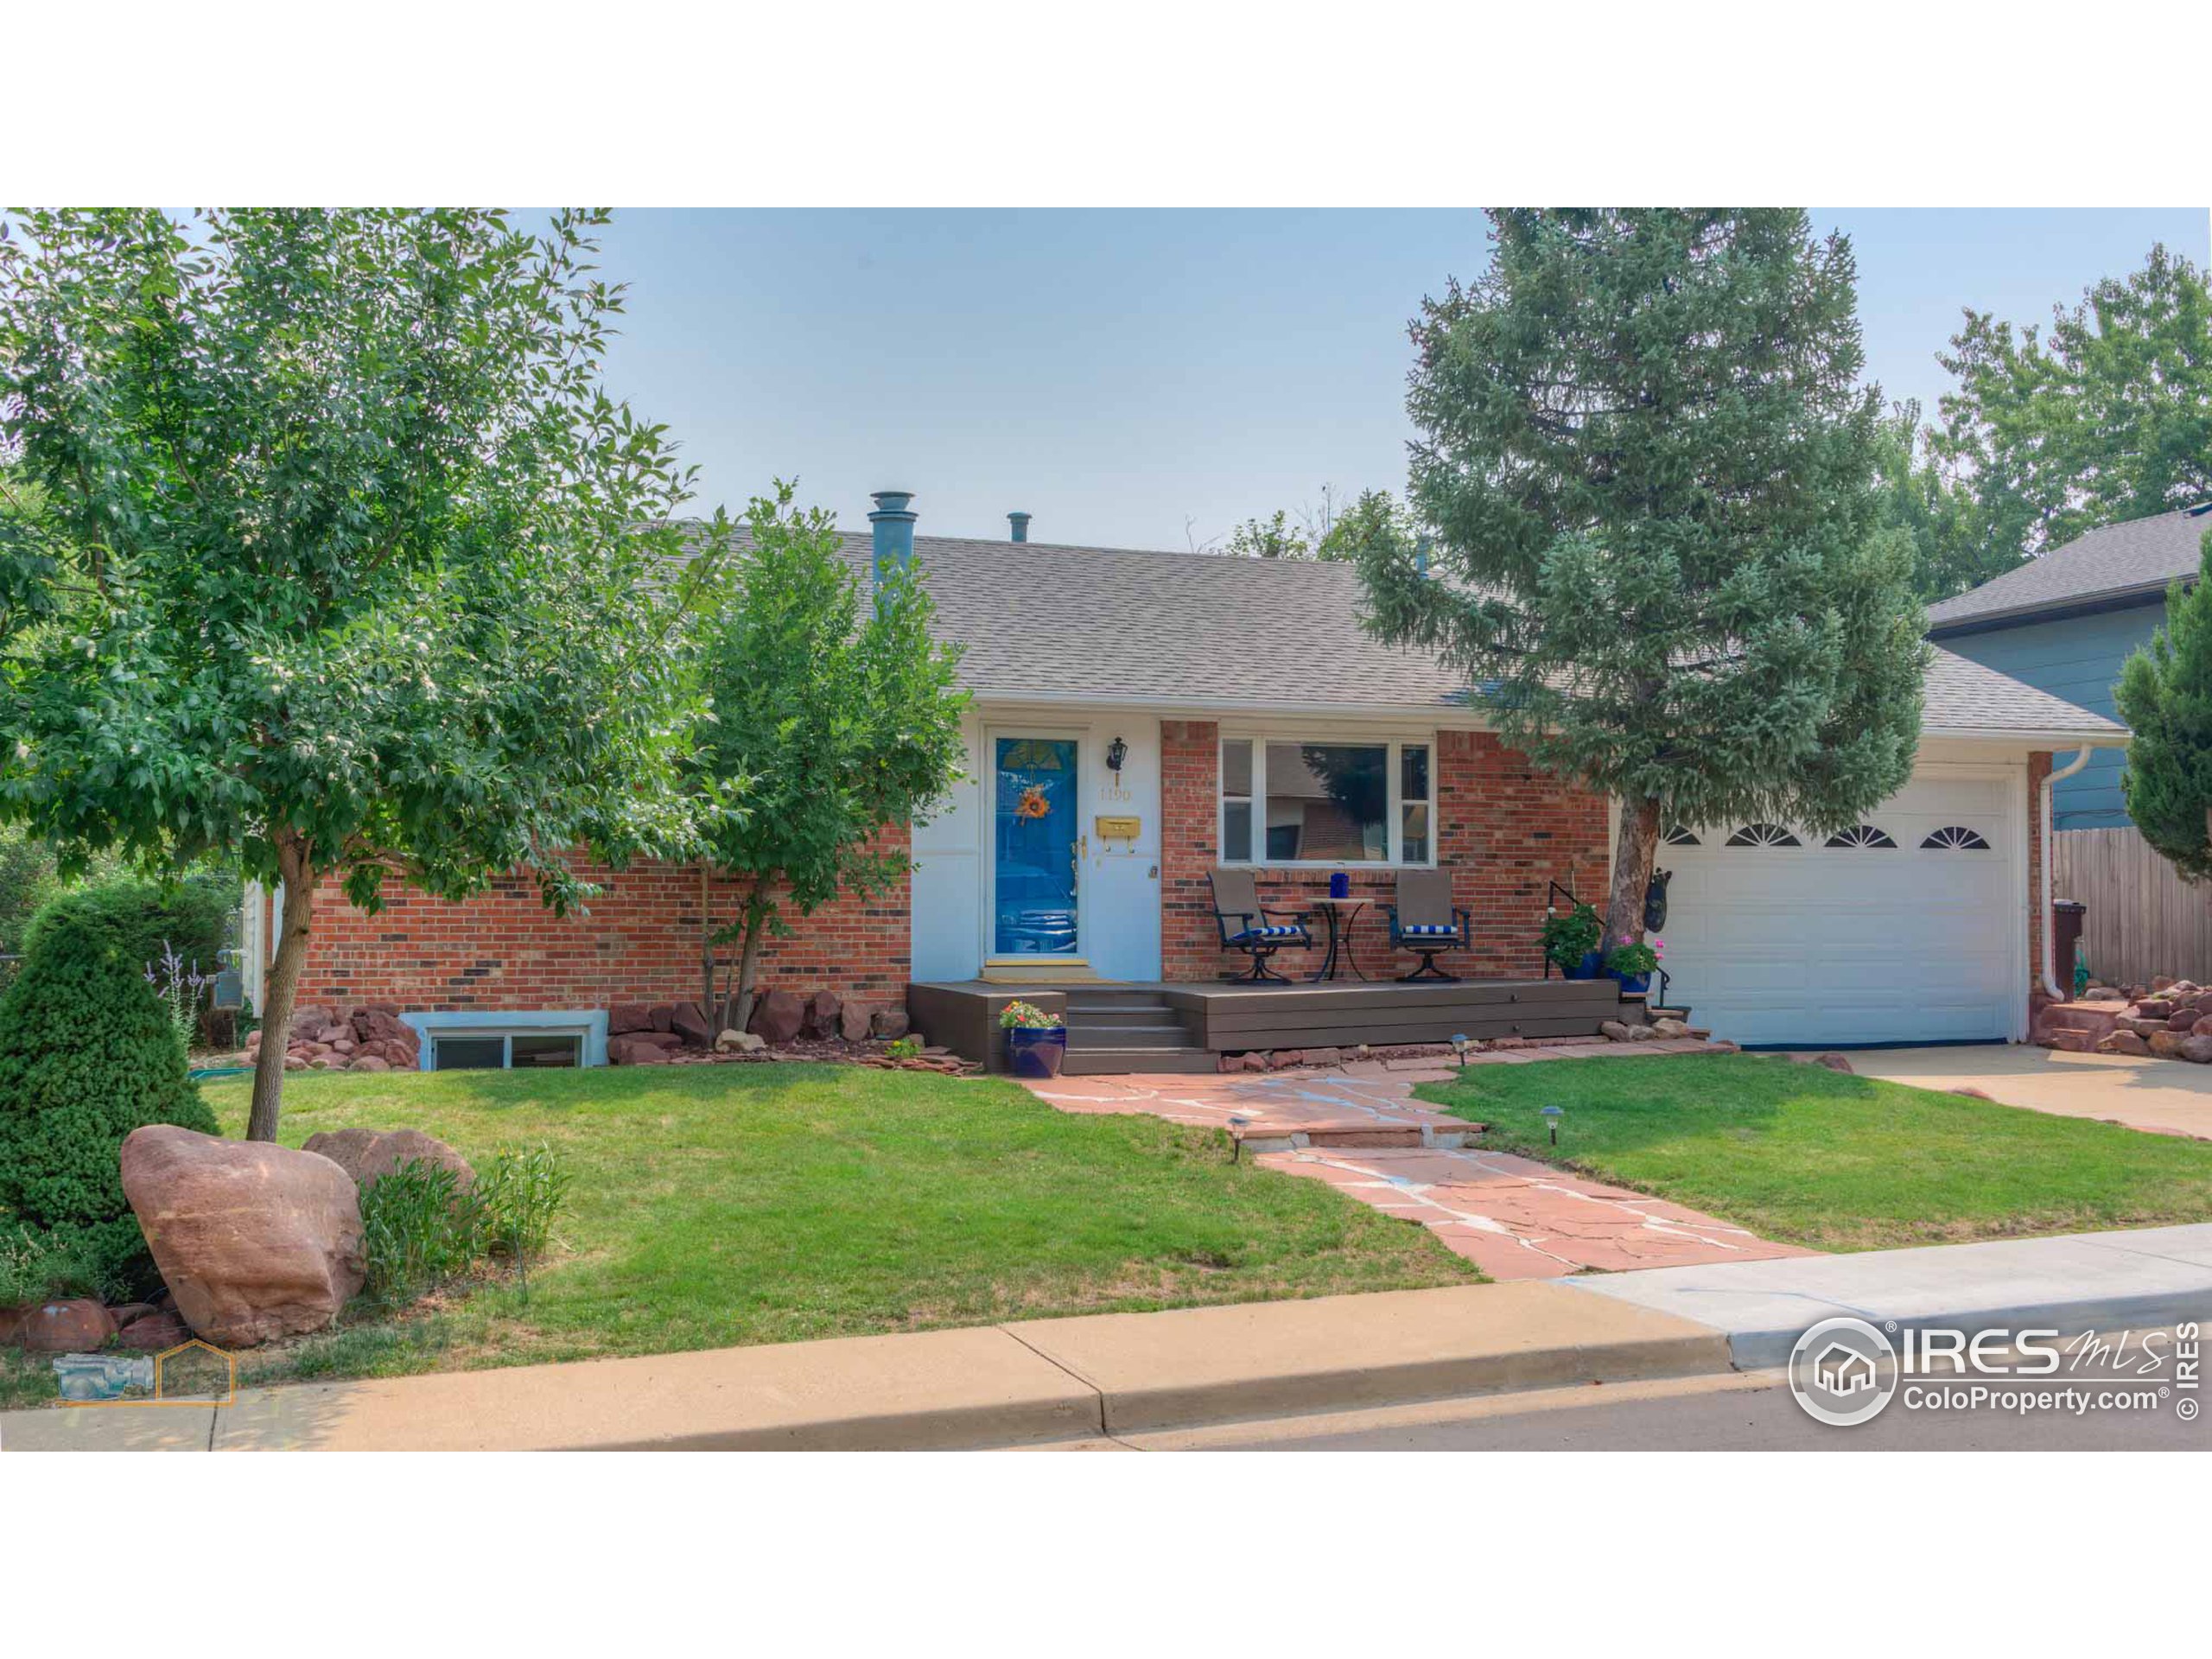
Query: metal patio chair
point(1423, 920)
point(1246, 924)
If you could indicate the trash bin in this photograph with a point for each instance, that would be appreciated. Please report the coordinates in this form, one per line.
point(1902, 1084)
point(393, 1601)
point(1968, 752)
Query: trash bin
point(2066, 915)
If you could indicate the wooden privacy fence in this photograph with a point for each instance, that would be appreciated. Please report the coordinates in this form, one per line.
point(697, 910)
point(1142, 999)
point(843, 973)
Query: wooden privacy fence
point(2143, 919)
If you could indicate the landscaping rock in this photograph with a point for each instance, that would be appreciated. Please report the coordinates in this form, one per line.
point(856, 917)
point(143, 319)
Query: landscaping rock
point(626, 1017)
point(2123, 1042)
point(1834, 1062)
point(308, 1021)
point(2160, 1009)
point(742, 1042)
point(1508, 1041)
point(1670, 1028)
point(1256, 1061)
point(1971, 1093)
point(2142, 1026)
point(889, 1024)
point(2197, 1050)
point(2104, 994)
point(855, 1022)
point(663, 1015)
point(2161, 982)
point(1722, 1045)
point(368, 1155)
point(1617, 1031)
point(77, 1325)
point(2166, 1044)
point(156, 1332)
point(1324, 1057)
point(637, 1049)
point(690, 1022)
point(128, 1311)
point(777, 1018)
point(823, 1009)
point(255, 1240)
point(2202, 1025)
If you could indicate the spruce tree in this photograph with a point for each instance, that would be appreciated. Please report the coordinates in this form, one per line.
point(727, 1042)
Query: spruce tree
point(2165, 697)
point(1649, 467)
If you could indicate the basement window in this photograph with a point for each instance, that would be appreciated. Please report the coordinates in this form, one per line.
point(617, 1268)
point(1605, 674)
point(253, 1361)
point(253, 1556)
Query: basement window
point(499, 1039)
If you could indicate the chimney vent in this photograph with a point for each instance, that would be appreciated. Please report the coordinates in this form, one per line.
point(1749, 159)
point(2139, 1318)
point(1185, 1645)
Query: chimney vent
point(894, 529)
point(1021, 523)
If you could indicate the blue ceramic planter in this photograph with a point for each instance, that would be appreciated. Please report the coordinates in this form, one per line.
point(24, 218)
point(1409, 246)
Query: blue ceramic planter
point(1635, 982)
point(1036, 1050)
point(1593, 964)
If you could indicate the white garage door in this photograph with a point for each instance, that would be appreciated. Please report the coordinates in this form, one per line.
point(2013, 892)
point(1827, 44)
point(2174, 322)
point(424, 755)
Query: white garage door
point(1903, 930)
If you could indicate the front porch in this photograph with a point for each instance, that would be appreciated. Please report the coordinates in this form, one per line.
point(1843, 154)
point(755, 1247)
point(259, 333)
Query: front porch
point(1183, 1025)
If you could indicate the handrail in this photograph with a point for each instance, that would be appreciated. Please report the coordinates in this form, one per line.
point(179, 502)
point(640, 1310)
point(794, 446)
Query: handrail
point(1659, 975)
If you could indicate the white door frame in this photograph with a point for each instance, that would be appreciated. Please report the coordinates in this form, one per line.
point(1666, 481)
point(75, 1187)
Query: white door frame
point(989, 863)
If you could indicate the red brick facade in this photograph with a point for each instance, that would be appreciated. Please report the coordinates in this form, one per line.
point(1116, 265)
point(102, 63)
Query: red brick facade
point(1506, 830)
point(640, 943)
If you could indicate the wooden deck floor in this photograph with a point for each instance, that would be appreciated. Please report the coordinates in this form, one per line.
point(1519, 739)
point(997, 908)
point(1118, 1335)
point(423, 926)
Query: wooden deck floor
point(1181, 1024)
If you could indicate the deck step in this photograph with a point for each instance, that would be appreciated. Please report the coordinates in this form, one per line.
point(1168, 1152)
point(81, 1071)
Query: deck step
point(1092, 1062)
point(1131, 1012)
point(1083, 1035)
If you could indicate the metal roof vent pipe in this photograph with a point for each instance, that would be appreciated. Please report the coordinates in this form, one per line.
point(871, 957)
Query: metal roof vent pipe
point(895, 532)
point(1021, 523)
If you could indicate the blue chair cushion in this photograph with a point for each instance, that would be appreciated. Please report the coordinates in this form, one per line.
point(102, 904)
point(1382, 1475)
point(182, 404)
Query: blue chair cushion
point(1273, 931)
point(1429, 931)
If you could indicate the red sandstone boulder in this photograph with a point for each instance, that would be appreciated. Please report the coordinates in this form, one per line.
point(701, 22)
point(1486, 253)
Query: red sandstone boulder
point(688, 1022)
point(76, 1325)
point(777, 1018)
point(308, 1021)
point(255, 1240)
point(822, 1010)
point(2122, 1042)
point(855, 1022)
point(2197, 1050)
point(2166, 1044)
point(2155, 1008)
point(368, 1155)
point(1971, 1093)
point(889, 1024)
point(626, 1017)
point(156, 1332)
point(663, 1015)
point(1833, 1062)
point(637, 1049)
point(2072, 1041)
point(369, 1062)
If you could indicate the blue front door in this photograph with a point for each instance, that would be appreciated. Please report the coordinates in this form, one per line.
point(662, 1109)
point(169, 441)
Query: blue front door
point(1036, 807)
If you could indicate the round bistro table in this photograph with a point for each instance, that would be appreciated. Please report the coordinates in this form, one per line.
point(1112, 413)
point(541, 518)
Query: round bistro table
point(1341, 913)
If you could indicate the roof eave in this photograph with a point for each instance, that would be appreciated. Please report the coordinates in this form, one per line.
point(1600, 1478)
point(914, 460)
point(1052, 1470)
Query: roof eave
point(2053, 610)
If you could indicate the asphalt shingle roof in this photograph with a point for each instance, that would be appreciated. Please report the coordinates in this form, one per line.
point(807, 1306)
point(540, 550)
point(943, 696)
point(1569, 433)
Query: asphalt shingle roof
point(2140, 556)
point(1041, 621)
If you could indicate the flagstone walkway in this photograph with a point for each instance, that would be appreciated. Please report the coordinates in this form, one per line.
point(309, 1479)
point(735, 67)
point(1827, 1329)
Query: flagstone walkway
point(1359, 1129)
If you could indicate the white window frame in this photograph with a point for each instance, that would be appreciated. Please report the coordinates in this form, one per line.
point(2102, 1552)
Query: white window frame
point(1395, 821)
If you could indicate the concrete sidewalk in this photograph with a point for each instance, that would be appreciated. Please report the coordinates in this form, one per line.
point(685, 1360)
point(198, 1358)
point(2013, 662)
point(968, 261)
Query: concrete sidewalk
point(2162, 1096)
point(1037, 1381)
point(2082, 1281)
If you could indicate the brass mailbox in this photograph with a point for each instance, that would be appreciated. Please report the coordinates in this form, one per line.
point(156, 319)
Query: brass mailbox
point(1117, 828)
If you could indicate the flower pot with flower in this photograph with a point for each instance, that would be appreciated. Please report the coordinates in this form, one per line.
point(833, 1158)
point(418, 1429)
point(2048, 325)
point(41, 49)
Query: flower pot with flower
point(1634, 965)
point(1570, 942)
point(1036, 1042)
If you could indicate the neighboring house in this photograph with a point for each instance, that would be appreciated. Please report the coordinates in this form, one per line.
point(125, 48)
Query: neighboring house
point(2065, 622)
point(1141, 717)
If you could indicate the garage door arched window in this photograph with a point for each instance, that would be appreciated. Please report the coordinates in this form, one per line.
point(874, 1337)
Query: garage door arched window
point(1679, 837)
point(1763, 835)
point(1954, 838)
point(1863, 835)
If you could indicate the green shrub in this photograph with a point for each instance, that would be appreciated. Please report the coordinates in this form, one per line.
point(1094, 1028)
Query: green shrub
point(87, 1054)
point(520, 1193)
point(190, 915)
point(37, 1267)
point(418, 1229)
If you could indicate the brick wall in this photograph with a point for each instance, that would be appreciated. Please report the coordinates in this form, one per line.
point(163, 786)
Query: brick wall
point(638, 943)
point(1506, 831)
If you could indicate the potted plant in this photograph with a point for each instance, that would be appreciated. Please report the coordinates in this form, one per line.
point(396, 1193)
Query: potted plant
point(1634, 965)
point(1571, 941)
point(1036, 1042)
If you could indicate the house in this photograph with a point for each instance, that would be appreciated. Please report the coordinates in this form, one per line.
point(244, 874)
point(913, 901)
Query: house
point(1140, 716)
point(2065, 622)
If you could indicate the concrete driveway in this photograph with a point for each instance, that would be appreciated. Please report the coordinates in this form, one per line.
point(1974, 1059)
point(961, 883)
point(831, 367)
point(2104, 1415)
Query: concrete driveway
point(2167, 1097)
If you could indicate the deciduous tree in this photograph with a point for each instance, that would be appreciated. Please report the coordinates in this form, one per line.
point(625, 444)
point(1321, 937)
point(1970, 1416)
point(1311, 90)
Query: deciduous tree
point(338, 557)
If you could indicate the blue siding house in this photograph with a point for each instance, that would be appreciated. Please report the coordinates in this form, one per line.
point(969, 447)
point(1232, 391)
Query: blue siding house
point(2065, 622)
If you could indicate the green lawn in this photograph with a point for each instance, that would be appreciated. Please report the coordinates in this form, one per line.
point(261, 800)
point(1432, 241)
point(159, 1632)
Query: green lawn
point(1808, 1156)
point(717, 1206)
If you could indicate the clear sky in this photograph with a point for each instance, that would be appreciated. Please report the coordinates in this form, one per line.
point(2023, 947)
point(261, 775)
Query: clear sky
point(1118, 374)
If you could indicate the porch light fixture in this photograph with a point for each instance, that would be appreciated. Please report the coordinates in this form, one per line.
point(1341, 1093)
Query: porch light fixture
point(1116, 751)
point(1552, 1116)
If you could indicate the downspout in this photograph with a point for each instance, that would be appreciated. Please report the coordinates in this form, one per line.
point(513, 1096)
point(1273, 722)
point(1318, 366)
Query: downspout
point(2044, 896)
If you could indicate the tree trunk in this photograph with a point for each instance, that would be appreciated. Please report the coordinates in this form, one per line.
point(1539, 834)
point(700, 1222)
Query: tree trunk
point(1635, 850)
point(707, 945)
point(748, 960)
point(282, 989)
